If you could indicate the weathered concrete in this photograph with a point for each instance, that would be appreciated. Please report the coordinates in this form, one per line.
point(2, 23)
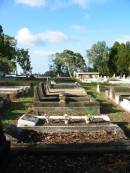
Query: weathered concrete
point(68, 102)
point(109, 127)
point(93, 108)
point(125, 104)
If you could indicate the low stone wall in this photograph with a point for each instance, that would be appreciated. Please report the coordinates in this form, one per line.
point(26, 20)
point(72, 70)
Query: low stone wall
point(117, 93)
point(125, 103)
point(110, 127)
point(93, 108)
point(14, 91)
point(78, 99)
point(64, 103)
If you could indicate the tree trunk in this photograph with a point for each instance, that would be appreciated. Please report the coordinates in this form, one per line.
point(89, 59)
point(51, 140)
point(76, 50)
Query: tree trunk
point(70, 72)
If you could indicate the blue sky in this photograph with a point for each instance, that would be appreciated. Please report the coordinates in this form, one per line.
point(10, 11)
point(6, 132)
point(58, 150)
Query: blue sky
point(49, 26)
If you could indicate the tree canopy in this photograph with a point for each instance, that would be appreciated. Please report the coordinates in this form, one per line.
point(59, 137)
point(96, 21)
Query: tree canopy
point(119, 59)
point(98, 57)
point(10, 54)
point(7, 52)
point(67, 63)
point(109, 61)
point(23, 59)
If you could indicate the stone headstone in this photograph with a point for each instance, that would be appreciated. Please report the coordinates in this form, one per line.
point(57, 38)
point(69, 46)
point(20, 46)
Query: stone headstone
point(113, 76)
point(62, 99)
point(111, 93)
point(117, 99)
point(106, 93)
point(123, 76)
point(98, 88)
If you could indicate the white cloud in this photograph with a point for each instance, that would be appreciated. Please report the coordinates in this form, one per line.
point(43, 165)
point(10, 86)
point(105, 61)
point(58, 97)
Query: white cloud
point(39, 53)
point(80, 2)
point(123, 39)
point(59, 3)
point(79, 28)
point(53, 37)
point(32, 3)
point(84, 3)
point(25, 37)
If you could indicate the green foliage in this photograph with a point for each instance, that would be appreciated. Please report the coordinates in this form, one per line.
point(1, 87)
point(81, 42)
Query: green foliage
point(109, 61)
point(119, 59)
point(23, 58)
point(20, 106)
point(98, 57)
point(67, 63)
point(9, 55)
point(113, 58)
point(123, 61)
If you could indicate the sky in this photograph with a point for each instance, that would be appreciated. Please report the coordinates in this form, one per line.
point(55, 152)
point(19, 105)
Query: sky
point(49, 26)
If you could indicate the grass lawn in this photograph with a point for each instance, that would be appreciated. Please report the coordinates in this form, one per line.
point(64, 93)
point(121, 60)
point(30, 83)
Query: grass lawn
point(117, 114)
point(19, 106)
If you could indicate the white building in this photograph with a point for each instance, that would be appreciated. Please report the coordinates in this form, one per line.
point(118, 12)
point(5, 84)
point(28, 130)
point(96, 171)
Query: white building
point(87, 76)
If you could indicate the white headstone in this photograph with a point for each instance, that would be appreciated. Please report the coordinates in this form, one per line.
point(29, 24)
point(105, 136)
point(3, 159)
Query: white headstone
point(98, 88)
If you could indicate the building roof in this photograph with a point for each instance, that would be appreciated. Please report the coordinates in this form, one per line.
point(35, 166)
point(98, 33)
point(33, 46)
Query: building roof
point(88, 73)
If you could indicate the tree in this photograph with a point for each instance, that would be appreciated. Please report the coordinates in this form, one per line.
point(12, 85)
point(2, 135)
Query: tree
point(68, 62)
point(23, 59)
point(7, 53)
point(119, 59)
point(123, 61)
point(10, 55)
point(113, 57)
point(98, 57)
point(1, 30)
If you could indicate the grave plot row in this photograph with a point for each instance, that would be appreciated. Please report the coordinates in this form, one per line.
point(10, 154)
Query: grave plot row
point(14, 91)
point(71, 138)
point(76, 139)
point(120, 95)
point(61, 120)
point(63, 102)
point(55, 85)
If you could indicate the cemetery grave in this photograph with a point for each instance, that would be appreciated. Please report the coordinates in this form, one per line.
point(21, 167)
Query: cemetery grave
point(78, 135)
point(64, 100)
point(125, 103)
point(70, 136)
point(46, 120)
point(66, 130)
point(120, 95)
point(14, 91)
point(98, 129)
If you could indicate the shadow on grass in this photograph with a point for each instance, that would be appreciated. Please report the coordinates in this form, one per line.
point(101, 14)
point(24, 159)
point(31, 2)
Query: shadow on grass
point(92, 94)
point(18, 108)
point(107, 108)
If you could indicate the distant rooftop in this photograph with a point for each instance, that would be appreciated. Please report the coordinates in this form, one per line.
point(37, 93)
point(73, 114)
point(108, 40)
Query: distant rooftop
point(88, 73)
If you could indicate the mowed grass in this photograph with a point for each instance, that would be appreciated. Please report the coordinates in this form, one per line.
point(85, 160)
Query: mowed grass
point(106, 105)
point(116, 113)
point(20, 105)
